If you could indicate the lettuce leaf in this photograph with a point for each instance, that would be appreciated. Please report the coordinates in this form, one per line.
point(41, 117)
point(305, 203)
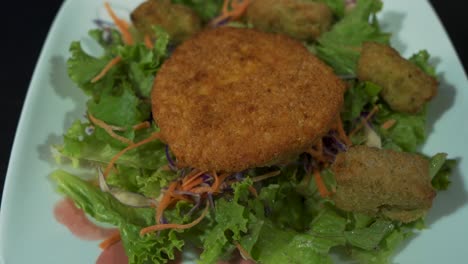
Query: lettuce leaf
point(327, 230)
point(137, 67)
point(284, 206)
point(383, 253)
point(151, 185)
point(80, 145)
point(206, 9)
point(440, 169)
point(104, 208)
point(138, 180)
point(230, 222)
point(369, 238)
point(82, 68)
point(142, 63)
point(278, 246)
point(101, 206)
point(340, 47)
point(117, 106)
point(436, 162)
point(120, 98)
point(421, 59)
point(357, 97)
point(407, 134)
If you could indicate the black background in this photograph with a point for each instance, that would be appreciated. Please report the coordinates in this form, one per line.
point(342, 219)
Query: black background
point(25, 26)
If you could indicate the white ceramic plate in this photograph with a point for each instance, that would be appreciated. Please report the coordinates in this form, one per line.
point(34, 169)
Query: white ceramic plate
point(29, 232)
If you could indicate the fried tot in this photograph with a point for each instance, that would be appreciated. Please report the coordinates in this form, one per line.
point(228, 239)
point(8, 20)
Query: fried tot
point(179, 21)
point(405, 87)
point(374, 181)
point(303, 20)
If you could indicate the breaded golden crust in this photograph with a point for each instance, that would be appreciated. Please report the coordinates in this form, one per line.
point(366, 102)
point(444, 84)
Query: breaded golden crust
point(405, 87)
point(179, 21)
point(304, 20)
point(230, 99)
point(371, 180)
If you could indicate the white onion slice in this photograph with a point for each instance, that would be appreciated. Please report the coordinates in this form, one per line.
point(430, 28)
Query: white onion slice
point(128, 198)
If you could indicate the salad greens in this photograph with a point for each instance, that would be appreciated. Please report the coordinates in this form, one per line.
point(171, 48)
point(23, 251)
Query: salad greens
point(284, 220)
point(347, 35)
point(206, 9)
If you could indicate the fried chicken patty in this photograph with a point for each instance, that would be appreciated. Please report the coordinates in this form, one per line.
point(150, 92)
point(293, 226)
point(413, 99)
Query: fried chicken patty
point(231, 99)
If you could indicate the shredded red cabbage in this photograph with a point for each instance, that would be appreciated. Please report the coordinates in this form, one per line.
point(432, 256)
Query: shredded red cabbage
point(195, 207)
point(207, 178)
point(103, 23)
point(170, 161)
point(210, 200)
point(222, 22)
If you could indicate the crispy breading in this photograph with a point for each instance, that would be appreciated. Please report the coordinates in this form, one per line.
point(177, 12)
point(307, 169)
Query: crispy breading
point(373, 181)
point(304, 20)
point(179, 21)
point(405, 87)
point(231, 99)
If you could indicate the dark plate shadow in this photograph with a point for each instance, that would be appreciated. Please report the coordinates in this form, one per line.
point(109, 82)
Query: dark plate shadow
point(392, 21)
point(442, 102)
point(449, 201)
point(66, 90)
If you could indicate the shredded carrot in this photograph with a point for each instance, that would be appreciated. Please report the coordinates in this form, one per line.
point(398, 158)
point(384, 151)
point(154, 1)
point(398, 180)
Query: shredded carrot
point(238, 10)
point(114, 159)
point(266, 176)
point(242, 251)
point(341, 132)
point(165, 201)
point(320, 184)
point(319, 146)
point(225, 9)
point(221, 179)
point(317, 155)
point(108, 129)
point(114, 238)
point(103, 72)
point(364, 120)
point(123, 27)
point(121, 24)
point(178, 197)
point(216, 181)
point(388, 124)
point(159, 227)
point(192, 184)
point(148, 42)
point(192, 177)
point(253, 191)
point(235, 3)
point(141, 125)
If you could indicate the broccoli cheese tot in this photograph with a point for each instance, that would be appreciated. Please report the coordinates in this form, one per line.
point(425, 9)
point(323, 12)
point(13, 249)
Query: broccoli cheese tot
point(405, 87)
point(300, 19)
point(373, 181)
point(179, 21)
